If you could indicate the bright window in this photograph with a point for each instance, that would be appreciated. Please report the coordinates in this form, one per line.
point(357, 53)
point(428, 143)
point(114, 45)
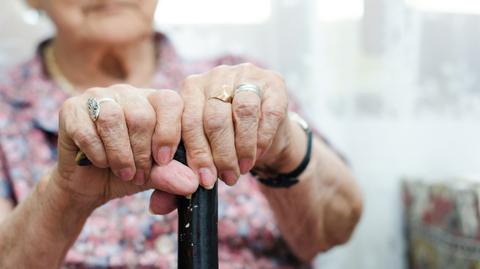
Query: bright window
point(447, 6)
point(340, 10)
point(213, 11)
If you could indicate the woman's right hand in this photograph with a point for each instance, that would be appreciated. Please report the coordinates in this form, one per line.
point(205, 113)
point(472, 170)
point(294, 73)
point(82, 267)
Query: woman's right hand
point(139, 125)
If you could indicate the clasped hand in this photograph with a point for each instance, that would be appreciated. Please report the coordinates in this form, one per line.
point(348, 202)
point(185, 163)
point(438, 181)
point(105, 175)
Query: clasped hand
point(132, 143)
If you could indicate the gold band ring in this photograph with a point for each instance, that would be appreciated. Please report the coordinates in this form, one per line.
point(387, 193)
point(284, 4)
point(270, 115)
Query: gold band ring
point(225, 95)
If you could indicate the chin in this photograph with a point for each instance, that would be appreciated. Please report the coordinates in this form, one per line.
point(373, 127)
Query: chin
point(118, 30)
point(118, 37)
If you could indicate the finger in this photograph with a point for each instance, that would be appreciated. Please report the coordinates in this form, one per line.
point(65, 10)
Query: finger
point(140, 119)
point(174, 178)
point(162, 203)
point(77, 131)
point(199, 155)
point(218, 125)
point(273, 112)
point(168, 106)
point(113, 131)
point(246, 114)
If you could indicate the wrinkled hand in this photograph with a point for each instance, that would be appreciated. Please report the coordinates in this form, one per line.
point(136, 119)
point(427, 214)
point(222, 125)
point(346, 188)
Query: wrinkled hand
point(141, 123)
point(230, 139)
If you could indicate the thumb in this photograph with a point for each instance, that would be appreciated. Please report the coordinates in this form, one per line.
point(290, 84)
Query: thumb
point(174, 178)
point(162, 203)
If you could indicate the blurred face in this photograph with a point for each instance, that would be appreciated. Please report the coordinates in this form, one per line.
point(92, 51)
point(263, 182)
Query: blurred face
point(104, 21)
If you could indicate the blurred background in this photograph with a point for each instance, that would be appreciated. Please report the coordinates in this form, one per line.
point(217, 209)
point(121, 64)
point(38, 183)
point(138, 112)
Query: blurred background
point(392, 83)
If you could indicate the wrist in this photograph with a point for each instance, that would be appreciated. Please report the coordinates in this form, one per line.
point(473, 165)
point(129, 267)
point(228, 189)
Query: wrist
point(50, 219)
point(59, 199)
point(294, 152)
point(288, 150)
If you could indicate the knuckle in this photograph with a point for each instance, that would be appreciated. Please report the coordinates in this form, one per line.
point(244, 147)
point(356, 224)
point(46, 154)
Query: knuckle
point(192, 131)
point(190, 122)
point(199, 154)
point(248, 65)
point(245, 137)
point(190, 88)
point(273, 113)
point(276, 76)
point(246, 151)
point(279, 88)
point(194, 77)
point(140, 119)
point(215, 122)
point(191, 82)
point(118, 155)
point(109, 118)
point(121, 88)
point(68, 106)
point(139, 141)
point(95, 91)
point(190, 126)
point(223, 159)
point(170, 98)
point(220, 69)
point(264, 139)
point(225, 162)
point(85, 139)
point(168, 135)
point(143, 160)
point(247, 110)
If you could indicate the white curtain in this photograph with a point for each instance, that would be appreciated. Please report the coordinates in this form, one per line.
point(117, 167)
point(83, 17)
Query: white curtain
point(393, 85)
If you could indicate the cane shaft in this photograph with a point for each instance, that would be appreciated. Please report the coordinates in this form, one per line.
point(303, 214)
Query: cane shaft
point(197, 227)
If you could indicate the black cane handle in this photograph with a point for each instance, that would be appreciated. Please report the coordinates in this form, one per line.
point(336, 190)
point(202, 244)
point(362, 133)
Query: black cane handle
point(197, 222)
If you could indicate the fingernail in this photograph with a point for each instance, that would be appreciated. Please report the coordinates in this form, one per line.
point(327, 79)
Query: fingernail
point(245, 166)
point(209, 187)
point(229, 177)
point(164, 155)
point(139, 179)
point(207, 178)
point(125, 174)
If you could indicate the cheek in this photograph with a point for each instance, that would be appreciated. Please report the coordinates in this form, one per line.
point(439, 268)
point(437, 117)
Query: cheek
point(148, 8)
point(73, 22)
point(106, 27)
point(67, 15)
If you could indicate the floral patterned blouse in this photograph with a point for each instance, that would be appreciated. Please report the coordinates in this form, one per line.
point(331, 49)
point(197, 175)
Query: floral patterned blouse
point(122, 234)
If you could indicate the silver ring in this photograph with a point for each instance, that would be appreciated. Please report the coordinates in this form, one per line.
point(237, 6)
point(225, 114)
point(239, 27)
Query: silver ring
point(93, 106)
point(247, 87)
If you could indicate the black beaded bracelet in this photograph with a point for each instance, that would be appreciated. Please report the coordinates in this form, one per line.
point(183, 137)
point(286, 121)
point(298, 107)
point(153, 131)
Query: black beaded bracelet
point(290, 179)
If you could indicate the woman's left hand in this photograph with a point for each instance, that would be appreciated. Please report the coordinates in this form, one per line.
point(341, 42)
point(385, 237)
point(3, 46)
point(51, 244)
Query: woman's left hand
point(229, 139)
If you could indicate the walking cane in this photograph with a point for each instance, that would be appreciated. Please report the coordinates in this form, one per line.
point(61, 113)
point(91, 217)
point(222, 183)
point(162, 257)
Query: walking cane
point(197, 223)
point(197, 226)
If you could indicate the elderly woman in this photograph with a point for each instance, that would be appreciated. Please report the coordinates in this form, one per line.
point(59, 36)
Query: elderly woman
point(231, 118)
